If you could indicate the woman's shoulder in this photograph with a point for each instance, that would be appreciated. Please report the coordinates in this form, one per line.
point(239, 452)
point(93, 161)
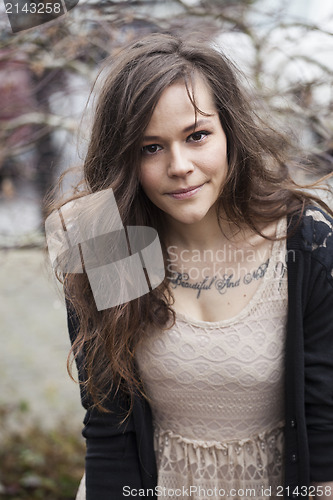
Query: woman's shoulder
point(314, 234)
point(318, 215)
point(316, 228)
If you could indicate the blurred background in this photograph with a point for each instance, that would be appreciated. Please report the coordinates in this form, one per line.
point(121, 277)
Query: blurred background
point(284, 48)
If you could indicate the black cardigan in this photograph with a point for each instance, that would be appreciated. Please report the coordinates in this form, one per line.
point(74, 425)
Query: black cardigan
point(121, 455)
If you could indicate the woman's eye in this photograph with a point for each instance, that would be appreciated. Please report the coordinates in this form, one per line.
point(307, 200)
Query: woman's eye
point(150, 149)
point(198, 136)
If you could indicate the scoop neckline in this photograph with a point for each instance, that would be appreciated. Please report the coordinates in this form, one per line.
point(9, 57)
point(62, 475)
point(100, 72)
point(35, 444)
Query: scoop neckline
point(249, 306)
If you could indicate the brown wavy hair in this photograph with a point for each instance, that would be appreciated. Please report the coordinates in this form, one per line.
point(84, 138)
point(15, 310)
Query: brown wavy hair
point(257, 190)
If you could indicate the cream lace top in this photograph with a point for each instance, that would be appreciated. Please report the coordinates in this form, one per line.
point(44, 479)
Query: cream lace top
point(216, 393)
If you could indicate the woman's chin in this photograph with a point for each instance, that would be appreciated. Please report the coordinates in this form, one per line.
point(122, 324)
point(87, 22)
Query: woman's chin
point(188, 219)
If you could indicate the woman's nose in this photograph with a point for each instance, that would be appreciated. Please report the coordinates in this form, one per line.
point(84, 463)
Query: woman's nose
point(179, 162)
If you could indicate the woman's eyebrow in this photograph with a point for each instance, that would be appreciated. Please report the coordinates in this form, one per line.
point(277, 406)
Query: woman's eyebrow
point(189, 128)
point(200, 123)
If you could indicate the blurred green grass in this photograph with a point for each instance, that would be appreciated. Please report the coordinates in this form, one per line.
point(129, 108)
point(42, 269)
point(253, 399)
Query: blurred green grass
point(37, 463)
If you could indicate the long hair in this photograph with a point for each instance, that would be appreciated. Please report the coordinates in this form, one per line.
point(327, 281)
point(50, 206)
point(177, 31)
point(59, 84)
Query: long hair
point(257, 188)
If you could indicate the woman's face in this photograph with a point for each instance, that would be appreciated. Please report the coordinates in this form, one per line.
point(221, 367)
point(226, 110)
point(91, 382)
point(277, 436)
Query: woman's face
point(182, 167)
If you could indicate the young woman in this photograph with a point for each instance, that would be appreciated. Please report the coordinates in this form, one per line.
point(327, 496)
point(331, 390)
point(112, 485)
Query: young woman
point(219, 382)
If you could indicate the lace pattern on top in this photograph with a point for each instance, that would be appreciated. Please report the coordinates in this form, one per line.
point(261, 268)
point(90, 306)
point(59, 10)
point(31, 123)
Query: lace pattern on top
point(216, 392)
point(236, 469)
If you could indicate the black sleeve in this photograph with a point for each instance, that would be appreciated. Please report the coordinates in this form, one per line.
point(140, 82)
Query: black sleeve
point(112, 461)
point(318, 339)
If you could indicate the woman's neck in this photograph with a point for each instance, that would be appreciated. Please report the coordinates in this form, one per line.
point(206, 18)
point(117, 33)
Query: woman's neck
point(209, 234)
point(206, 233)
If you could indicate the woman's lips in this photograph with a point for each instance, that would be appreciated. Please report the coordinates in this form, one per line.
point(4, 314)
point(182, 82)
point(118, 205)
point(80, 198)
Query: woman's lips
point(182, 195)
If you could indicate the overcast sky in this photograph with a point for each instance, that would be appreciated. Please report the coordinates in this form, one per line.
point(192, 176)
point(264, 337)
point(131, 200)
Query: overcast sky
point(319, 11)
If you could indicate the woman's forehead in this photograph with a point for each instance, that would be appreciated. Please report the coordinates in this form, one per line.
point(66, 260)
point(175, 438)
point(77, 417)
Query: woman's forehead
point(175, 102)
